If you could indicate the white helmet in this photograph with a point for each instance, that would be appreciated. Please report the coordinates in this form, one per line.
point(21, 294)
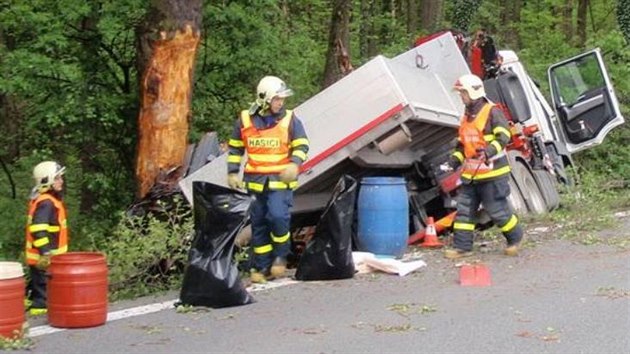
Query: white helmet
point(270, 87)
point(45, 173)
point(472, 84)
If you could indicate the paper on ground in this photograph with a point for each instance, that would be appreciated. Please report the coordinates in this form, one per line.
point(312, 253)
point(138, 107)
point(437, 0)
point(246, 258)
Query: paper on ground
point(366, 262)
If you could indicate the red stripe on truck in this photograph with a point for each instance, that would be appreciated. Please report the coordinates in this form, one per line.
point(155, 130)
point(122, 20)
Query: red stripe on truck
point(350, 138)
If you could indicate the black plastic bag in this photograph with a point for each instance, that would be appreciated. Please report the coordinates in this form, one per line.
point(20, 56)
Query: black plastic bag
point(212, 278)
point(328, 255)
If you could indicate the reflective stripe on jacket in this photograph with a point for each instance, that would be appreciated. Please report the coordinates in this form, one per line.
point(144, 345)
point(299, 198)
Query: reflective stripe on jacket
point(473, 139)
point(57, 232)
point(268, 150)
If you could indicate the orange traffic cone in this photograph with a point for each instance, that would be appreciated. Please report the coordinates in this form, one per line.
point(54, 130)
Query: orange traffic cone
point(430, 235)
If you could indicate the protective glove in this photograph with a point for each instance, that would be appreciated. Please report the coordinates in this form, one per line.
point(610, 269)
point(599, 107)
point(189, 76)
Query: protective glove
point(446, 167)
point(482, 155)
point(43, 262)
point(234, 181)
point(290, 173)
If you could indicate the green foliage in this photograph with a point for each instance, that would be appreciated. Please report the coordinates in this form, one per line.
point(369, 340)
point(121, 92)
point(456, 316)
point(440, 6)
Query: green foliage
point(623, 18)
point(19, 342)
point(76, 87)
point(69, 92)
point(612, 159)
point(462, 13)
point(145, 254)
point(588, 207)
point(245, 41)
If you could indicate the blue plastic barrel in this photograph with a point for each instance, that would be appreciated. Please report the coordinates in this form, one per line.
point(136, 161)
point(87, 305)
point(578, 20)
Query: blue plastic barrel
point(383, 216)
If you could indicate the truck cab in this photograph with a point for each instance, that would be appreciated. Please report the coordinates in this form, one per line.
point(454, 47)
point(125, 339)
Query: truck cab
point(583, 111)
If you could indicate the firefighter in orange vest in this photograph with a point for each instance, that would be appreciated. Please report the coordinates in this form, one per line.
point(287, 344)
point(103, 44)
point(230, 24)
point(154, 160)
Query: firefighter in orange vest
point(483, 136)
point(46, 229)
point(276, 145)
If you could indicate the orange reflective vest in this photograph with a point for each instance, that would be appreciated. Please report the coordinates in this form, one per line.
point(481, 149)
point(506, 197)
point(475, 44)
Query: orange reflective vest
point(268, 150)
point(58, 231)
point(471, 135)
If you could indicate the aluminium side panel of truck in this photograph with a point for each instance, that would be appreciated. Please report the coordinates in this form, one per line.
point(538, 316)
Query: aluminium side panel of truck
point(386, 114)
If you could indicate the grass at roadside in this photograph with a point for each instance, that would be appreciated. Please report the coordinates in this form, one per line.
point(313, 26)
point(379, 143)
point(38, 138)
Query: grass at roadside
point(589, 214)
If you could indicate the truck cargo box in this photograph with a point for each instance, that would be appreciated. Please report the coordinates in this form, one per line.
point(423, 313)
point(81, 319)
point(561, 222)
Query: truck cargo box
point(385, 115)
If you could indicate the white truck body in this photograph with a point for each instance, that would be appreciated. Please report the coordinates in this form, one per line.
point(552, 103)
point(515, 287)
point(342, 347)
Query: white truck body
point(401, 114)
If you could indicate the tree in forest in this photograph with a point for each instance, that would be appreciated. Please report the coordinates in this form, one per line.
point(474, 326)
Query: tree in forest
point(167, 47)
point(338, 56)
point(623, 18)
point(510, 18)
point(431, 14)
point(462, 13)
point(581, 21)
point(564, 11)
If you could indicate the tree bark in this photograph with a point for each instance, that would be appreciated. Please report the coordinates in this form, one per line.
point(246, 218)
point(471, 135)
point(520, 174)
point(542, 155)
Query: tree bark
point(511, 15)
point(167, 47)
point(623, 18)
point(431, 14)
point(581, 21)
point(12, 110)
point(368, 45)
point(413, 18)
point(567, 20)
point(338, 57)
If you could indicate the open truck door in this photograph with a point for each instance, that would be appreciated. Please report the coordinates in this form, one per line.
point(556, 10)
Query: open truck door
point(584, 100)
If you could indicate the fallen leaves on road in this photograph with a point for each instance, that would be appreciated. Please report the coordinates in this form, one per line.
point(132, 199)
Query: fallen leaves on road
point(551, 335)
point(407, 309)
point(613, 293)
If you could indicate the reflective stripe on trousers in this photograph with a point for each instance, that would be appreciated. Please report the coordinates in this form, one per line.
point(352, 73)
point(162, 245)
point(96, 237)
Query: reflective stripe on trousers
point(271, 221)
point(493, 196)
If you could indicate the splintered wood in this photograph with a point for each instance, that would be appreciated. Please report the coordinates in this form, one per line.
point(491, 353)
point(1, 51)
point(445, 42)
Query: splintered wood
point(166, 92)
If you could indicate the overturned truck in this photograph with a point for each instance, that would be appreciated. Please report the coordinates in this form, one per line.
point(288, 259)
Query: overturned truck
point(399, 117)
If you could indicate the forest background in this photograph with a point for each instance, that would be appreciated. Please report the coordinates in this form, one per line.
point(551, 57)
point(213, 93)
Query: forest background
point(70, 79)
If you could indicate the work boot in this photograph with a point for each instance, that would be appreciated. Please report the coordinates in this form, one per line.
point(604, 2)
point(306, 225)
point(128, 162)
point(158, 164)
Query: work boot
point(35, 311)
point(259, 276)
point(512, 250)
point(455, 253)
point(279, 267)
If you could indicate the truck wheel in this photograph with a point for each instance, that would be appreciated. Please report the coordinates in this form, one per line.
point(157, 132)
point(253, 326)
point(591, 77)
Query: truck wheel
point(515, 198)
point(548, 187)
point(531, 193)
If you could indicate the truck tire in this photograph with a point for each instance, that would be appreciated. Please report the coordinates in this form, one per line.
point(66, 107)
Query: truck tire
point(546, 183)
point(516, 200)
point(527, 184)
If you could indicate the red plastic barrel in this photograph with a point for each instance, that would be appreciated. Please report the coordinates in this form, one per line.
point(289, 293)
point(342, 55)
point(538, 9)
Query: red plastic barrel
point(11, 299)
point(77, 290)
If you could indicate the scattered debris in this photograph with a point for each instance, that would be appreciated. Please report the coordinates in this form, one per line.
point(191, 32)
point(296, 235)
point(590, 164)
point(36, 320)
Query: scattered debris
point(229, 316)
point(407, 309)
point(622, 214)
point(612, 293)
point(148, 329)
point(400, 328)
point(525, 334)
point(366, 262)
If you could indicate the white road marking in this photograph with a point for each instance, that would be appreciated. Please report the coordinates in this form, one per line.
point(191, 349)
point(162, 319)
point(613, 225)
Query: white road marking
point(151, 308)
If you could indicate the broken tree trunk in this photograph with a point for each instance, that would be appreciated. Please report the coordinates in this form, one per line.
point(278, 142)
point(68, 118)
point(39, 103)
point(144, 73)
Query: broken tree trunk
point(338, 59)
point(166, 55)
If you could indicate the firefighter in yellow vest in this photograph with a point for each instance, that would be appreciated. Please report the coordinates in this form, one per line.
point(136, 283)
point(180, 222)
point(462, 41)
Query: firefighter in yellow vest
point(276, 146)
point(483, 136)
point(46, 229)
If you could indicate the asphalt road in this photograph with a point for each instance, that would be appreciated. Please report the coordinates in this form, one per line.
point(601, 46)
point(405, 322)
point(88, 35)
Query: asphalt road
point(556, 297)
